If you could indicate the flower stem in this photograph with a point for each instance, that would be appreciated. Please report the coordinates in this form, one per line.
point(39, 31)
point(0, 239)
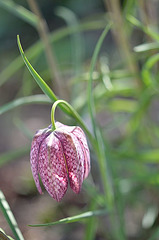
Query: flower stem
point(76, 116)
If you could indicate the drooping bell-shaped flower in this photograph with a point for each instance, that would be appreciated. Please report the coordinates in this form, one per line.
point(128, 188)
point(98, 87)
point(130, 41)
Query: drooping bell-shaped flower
point(58, 157)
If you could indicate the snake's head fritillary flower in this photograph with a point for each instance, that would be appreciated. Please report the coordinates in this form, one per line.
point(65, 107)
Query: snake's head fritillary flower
point(59, 157)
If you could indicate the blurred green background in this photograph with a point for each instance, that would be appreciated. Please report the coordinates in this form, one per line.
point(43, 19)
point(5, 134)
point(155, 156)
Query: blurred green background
point(59, 39)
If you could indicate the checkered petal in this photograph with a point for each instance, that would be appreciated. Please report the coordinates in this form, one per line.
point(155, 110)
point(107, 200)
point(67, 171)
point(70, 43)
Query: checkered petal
point(35, 146)
point(74, 158)
point(78, 132)
point(52, 167)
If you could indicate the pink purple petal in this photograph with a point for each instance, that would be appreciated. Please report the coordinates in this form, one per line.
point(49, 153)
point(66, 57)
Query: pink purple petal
point(78, 132)
point(52, 167)
point(74, 158)
point(38, 138)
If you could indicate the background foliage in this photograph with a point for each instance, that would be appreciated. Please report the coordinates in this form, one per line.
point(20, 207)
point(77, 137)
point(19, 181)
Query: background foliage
point(111, 79)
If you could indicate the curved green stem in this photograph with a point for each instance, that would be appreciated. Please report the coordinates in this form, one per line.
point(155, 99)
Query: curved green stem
point(75, 114)
point(53, 115)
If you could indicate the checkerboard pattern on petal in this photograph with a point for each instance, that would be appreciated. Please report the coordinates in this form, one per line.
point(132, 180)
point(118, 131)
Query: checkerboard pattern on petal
point(58, 156)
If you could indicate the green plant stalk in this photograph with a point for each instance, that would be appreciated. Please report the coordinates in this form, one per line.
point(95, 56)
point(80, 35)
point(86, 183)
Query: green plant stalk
point(103, 164)
point(74, 114)
point(9, 217)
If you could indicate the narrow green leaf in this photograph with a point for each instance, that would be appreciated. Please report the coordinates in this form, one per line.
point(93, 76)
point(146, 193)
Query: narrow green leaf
point(151, 61)
point(42, 84)
point(145, 29)
point(3, 236)
point(17, 63)
point(146, 47)
point(9, 217)
point(19, 11)
point(76, 218)
point(40, 98)
point(146, 73)
point(128, 6)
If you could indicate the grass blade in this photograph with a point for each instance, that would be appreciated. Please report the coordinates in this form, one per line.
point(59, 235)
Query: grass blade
point(145, 29)
point(19, 11)
point(76, 218)
point(146, 74)
point(42, 84)
point(152, 60)
point(146, 47)
point(3, 236)
point(9, 217)
point(40, 98)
